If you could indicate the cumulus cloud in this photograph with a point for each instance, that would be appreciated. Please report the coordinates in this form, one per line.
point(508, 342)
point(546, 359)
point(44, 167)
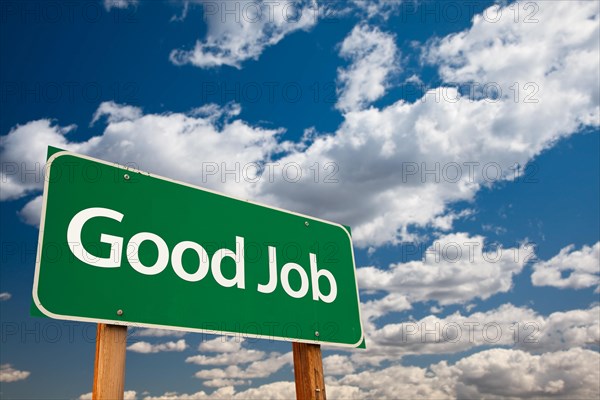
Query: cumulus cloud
point(224, 383)
point(451, 334)
point(435, 382)
point(337, 365)
point(507, 325)
point(222, 344)
point(30, 214)
point(456, 268)
point(270, 391)
point(497, 50)
point(377, 8)
point(501, 373)
point(153, 332)
point(570, 268)
point(116, 112)
point(562, 330)
point(493, 374)
point(402, 165)
point(24, 150)
point(127, 395)
point(145, 347)
point(241, 30)
point(242, 356)
point(257, 369)
point(393, 302)
point(9, 374)
point(110, 4)
point(5, 296)
point(392, 169)
point(168, 144)
point(373, 59)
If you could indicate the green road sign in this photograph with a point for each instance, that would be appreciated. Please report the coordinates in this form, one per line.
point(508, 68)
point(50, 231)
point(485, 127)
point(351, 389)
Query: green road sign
point(122, 246)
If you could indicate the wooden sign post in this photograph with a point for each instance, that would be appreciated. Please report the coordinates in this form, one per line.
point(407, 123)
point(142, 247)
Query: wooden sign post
point(109, 367)
point(308, 371)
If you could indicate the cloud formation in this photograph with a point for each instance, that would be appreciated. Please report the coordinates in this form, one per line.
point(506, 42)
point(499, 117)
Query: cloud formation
point(241, 30)
point(570, 268)
point(493, 374)
point(127, 395)
point(256, 369)
point(507, 325)
point(395, 169)
point(374, 58)
point(456, 268)
point(153, 332)
point(170, 144)
point(110, 4)
point(402, 165)
point(146, 348)
point(9, 374)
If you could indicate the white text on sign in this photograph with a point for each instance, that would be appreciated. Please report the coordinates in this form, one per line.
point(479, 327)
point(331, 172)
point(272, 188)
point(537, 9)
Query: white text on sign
point(204, 265)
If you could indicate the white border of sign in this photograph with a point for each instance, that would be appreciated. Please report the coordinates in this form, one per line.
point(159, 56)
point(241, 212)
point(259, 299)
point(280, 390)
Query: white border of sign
point(175, 328)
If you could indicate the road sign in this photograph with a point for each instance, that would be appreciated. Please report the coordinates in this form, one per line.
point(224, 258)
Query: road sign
point(121, 246)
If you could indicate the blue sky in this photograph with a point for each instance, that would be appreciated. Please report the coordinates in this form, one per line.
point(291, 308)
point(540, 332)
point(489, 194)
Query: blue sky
point(441, 125)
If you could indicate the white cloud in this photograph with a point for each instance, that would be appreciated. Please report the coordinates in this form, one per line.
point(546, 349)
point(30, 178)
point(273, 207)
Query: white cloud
point(374, 59)
point(5, 296)
point(224, 383)
point(337, 365)
point(562, 330)
point(393, 302)
point(582, 266)
point(23, 151)
point(185, 396)
point(501, 373)
point(9, 374)
point(127, 395)
point(505, 326)
point(491, 374)
point(374, 151)
point(382, 155)
point(166, 144)
point(116, 112)
point(145, 347)
point(110, 4)
point(222, 344)
point(558, 53)
point(378, 8)
point(269, 391)
point(257, 369)
point(30, 214)
point(214, 111)
point(435, 382)
point(242, 356)
point(455, 269)
point(435, 310)
point(184, 12)
point(245, 31)
point(153, 332)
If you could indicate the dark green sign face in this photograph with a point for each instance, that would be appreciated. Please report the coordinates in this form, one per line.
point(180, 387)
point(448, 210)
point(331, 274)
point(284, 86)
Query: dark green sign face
point(125, 247)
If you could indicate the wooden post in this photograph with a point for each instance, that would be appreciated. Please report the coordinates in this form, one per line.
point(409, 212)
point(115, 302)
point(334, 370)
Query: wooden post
point(308, 372)
point(109, 367)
